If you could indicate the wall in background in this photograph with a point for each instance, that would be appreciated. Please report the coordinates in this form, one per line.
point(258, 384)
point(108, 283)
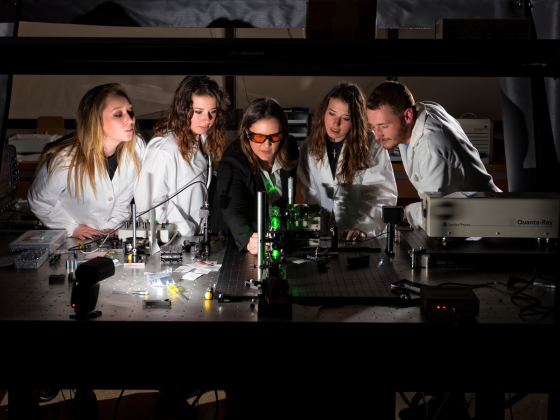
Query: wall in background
point(34, 96)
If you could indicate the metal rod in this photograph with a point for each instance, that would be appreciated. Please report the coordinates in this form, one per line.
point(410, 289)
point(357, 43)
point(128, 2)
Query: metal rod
point(334, 238)
point(261, 231)
point(290, 190)
point(390, 238)
point(134, 255)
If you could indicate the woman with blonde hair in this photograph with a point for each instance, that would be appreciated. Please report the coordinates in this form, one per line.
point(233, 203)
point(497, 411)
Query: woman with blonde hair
point(85, 181)
point(344, 169)
point(262, 159)
point(189, 136)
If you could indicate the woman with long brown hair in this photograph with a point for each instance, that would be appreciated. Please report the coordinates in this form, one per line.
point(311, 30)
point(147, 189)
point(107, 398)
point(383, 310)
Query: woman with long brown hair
point(85, 181)
point(261, 159)
point(344, 169)
point(189, 136)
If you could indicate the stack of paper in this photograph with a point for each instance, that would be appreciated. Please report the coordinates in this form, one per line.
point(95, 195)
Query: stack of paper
point(195, 270)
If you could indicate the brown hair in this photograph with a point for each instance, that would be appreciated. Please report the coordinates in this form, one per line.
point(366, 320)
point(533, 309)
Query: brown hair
point(356, 151)
point(266, 109)
point(177, 119)
point(85, 146)
point(393, 94)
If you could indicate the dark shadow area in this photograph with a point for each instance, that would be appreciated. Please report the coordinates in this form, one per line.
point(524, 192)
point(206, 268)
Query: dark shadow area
point(227, 23)
point(107, 14)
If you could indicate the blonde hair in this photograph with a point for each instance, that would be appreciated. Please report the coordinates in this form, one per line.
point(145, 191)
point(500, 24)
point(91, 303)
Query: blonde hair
point(84, 148)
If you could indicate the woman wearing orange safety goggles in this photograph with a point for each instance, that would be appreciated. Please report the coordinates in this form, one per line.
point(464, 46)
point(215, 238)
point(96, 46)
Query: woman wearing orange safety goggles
point(261, 159)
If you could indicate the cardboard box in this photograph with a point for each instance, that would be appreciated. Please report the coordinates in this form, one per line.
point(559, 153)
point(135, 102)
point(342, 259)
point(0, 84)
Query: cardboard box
point(341, 19)
point(50, 125)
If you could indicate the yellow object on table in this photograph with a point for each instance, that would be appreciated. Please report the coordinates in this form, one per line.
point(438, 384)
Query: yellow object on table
point(173, 288)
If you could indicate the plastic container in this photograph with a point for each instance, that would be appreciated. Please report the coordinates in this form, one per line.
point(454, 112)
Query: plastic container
point(49, 240)
point(31, 259)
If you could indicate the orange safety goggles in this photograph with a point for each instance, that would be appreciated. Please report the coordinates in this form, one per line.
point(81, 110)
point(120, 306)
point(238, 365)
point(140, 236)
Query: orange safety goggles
point(261, 138)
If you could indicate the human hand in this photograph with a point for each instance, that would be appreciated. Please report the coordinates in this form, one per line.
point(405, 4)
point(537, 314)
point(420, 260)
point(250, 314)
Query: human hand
point(85, 232)
point(253, 245)
point(106, 231)
point(352, 235)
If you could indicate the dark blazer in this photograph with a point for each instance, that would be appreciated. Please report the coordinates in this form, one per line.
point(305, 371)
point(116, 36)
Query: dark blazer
point(234, 204)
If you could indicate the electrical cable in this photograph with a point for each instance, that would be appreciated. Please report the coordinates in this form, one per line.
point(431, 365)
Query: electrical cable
point(425, 405)
point(173, 237)
point(515, 399)
point(368, 239)
point(198, 397)
point(405, 399)
point(534, 303)
point(146, 211)
point(117, 405)
point(441, 406)
point(540, 276)
point(63, 397)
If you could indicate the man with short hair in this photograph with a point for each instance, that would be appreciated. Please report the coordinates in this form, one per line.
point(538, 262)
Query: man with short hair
point(436, 153)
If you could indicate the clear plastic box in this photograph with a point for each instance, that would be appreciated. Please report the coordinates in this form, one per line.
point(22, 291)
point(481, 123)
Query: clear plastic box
point(49, 240)
point(32, 259)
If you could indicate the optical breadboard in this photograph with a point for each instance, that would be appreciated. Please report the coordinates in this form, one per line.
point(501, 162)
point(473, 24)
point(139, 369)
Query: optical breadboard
point(306, 280)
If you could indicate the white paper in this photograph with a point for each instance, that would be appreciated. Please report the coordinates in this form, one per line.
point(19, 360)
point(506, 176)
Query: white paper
point(296, 260)
point(182, 269)
point(191, 276)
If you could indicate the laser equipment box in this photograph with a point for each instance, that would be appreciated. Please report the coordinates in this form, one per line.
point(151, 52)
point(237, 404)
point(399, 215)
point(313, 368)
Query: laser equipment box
point(491, 214)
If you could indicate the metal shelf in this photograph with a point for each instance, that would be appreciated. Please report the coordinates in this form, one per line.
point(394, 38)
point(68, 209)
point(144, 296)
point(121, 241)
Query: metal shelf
point(275, 57)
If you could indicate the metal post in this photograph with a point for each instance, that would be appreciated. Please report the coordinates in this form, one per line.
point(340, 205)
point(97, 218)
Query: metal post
point(261, 232)
point(290, 190)
point(390, 238)
point(134, 255)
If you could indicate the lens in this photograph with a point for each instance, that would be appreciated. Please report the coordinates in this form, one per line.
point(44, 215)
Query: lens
point(277, 137)
point(258, 138)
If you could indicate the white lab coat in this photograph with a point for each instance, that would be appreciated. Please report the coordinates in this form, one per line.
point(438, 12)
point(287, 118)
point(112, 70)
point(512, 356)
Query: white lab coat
point(353, 206)
point(57, 207)
point(164, 172)
point(440, 157)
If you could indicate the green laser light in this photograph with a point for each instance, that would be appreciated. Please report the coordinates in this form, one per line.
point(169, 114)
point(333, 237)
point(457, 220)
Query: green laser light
point(275, 222)
point(275, 254)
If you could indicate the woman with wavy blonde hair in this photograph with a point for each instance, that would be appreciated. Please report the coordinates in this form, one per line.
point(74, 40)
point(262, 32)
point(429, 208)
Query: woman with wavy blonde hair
point(85, 181)
point(344, 169)
point(189, 136)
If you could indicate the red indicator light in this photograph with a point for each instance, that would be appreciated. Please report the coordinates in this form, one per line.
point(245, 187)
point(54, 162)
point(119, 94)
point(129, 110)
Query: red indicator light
point(444, 307)
point(438, 307)
point(75, 305)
